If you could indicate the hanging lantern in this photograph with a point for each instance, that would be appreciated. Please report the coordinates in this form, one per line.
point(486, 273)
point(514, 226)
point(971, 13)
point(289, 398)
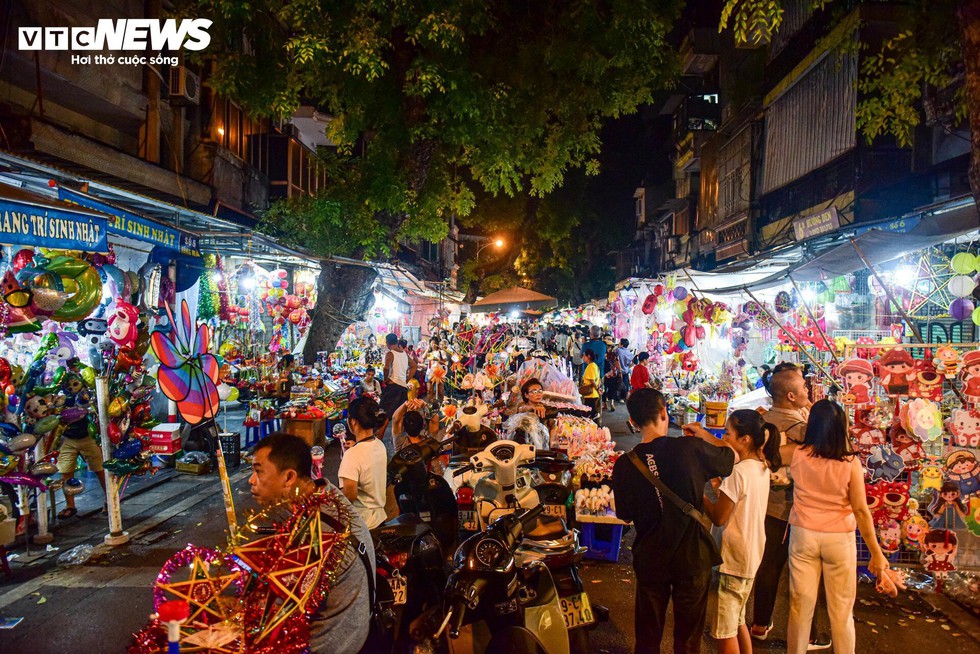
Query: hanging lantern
point(976, 316)
point(963, 263)
point(961, 285)
point(961, 308)
point(784, 302)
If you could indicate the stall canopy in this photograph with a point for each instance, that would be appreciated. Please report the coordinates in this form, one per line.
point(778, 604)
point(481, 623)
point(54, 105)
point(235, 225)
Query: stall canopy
point(879, 244)
point(514, 299)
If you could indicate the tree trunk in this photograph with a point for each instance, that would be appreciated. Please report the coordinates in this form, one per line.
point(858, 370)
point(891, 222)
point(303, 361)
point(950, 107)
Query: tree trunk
point(344, 296)
point(969, 19)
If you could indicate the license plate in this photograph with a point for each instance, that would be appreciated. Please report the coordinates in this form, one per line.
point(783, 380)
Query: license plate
point(556, 510)
point(576, 610)
point(399, 588)
point(467, 521)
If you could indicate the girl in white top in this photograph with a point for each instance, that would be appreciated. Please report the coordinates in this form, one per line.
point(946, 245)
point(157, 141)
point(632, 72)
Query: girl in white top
point(740, 512)
point(364, 467)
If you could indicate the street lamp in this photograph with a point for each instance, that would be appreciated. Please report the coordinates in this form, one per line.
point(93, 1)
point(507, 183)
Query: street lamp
point(498, 243)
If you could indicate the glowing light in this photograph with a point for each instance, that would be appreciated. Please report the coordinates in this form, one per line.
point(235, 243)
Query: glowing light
point(499, 242)
point(515, 314)
point(216, 277)
point(221, 131)
point(248, 284)
point(809, 295)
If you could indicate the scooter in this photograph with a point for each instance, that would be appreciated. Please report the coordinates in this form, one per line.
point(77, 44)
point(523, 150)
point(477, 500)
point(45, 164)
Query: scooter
point(496, 604)
point(409, 548)
point(502, 484)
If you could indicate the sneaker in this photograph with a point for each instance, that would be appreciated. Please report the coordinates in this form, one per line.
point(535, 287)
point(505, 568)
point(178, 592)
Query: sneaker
point(820, 643)
point(760, 633)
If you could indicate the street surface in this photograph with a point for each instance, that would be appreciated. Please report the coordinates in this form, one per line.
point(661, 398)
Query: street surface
point(96, 606)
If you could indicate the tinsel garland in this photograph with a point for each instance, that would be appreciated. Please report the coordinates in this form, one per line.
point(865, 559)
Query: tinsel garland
point(207, 305)
point(269, 609)
point(223, 302)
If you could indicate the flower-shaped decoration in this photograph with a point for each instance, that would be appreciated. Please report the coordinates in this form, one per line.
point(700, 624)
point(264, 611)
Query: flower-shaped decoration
point(188, 371)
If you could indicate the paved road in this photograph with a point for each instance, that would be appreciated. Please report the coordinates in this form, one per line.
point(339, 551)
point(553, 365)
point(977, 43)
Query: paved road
point(95, 607)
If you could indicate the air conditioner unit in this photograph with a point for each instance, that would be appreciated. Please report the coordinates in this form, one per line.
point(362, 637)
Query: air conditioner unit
point(185, 86)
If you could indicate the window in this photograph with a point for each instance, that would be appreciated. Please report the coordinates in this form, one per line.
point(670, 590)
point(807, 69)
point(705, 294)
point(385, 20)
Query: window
point(734, 172)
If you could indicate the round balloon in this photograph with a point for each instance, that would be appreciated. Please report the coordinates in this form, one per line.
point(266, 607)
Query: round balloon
point(680, 293)
point(963, 263)
point(961, 285)
point(73, 486)
point(976, 316)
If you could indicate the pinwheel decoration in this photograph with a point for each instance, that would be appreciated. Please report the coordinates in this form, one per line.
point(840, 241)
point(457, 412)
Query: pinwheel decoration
point(188, 371)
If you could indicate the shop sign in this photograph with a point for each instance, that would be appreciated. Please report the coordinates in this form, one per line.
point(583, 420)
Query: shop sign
point(898, 226)
point(128, 224)
point(815, 224)
point(22, 223)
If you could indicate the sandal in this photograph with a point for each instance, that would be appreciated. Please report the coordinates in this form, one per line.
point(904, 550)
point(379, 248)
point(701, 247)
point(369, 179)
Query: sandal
point(760, 633)
point(67, 512)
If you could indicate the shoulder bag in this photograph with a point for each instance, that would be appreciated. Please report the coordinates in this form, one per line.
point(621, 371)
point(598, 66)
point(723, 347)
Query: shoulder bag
point(685, 507)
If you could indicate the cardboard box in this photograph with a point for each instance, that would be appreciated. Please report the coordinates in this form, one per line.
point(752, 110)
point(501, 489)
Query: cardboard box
point(193, 468)
point(165, 438)
point(312, 431)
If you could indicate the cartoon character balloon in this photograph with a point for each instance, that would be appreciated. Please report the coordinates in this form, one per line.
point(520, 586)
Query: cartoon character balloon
point(123, 324)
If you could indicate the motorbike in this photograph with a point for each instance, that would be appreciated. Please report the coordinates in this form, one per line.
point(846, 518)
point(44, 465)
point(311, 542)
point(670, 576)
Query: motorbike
point(497, 604)
point(409, 548)
point(501, 483)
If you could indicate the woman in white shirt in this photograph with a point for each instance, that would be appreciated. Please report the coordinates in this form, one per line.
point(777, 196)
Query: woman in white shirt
point(364, 467)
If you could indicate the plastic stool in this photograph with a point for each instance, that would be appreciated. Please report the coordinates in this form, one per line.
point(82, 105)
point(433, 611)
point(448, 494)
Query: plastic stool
point(602, 540)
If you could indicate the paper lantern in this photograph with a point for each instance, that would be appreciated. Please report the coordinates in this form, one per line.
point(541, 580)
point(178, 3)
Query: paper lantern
point(680, 293)
point(840, 285)
point(963, 263)
point(961, 285)
point(976, 316)
point(783, 302)
point(961, 308)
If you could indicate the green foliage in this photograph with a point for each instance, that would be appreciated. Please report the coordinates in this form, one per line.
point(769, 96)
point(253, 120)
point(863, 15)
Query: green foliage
point(891, 82)
point(924, 55)
point(449, 99)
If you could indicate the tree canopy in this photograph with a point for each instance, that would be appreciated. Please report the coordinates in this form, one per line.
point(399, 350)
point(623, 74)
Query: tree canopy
point(436, 103)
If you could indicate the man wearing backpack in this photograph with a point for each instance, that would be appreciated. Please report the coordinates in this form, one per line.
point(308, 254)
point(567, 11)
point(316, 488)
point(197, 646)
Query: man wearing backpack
point(673, 552)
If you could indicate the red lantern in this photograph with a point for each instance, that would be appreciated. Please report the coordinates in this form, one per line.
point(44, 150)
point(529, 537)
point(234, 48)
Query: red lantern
point(649, 304)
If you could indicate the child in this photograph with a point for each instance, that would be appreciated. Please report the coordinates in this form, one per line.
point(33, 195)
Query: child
point(740, 512)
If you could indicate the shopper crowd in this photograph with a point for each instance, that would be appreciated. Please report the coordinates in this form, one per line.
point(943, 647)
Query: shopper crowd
point(731, 512)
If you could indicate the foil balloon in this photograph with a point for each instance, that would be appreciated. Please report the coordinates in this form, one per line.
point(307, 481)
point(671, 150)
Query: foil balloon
point(122, 323)
point(128, 449)
point(23, 259)
point(73, 487)
point(8, 462)
point(150, 275)
point(20, 318)
point(23, 479)
point(22, 442)
point(43, 469)
point(46, 424)
point(82, 281)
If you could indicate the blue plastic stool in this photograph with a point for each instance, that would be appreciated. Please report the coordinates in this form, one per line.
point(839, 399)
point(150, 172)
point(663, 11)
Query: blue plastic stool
point(253, 433)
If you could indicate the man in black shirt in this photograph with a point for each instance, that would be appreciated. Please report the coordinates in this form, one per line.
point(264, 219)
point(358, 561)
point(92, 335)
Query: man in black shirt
point(671, 557)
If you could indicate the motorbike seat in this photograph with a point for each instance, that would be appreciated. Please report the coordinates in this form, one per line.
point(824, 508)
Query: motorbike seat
point(546, 527)
point(406, 524)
